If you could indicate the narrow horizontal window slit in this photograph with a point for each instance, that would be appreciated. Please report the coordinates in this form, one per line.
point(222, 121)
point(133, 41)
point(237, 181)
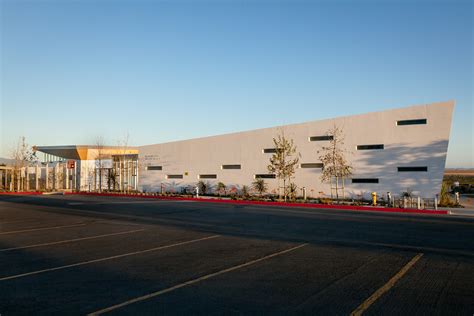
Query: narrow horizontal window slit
point(412, 122)
point(413, 169)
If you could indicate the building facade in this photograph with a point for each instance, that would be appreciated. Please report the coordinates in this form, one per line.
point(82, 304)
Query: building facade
point(87, 168)
point(400, 150)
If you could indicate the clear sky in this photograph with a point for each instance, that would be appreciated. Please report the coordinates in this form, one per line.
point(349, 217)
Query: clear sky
point(168, 70)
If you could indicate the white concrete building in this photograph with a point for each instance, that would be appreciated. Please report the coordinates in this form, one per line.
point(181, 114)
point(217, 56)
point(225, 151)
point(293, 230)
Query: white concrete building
point(391, 151)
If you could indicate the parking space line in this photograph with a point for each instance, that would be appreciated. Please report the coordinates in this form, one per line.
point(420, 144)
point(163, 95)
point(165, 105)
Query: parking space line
point(38, 229)
point(106, 258)
point(386, 287)
point(72, 240)
point(193, 281)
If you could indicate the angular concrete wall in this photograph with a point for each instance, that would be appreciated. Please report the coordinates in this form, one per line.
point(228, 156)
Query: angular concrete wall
point(404, 146)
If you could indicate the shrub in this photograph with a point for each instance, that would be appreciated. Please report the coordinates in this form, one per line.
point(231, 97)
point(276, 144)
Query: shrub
point(245, 191)
point(445, 197)
point(325, 201)
point(203, 187)
point(221, 187)
point(260, 186)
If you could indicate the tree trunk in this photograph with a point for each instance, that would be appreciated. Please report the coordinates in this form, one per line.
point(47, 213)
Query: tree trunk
point(100, 178)
point(330, 186)
point(343, 190)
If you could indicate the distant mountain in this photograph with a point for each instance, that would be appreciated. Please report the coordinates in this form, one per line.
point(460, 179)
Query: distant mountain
point(459, 171)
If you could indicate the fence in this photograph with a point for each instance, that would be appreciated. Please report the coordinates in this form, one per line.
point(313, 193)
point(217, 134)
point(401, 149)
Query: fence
point(415, 202)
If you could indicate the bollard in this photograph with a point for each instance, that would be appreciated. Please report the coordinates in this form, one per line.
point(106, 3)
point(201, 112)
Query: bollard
point(436, 203)
point(418, 204)
point(304, 193)
point(405, 202)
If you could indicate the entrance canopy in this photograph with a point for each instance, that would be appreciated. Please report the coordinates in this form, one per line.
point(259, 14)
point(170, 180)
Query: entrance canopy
point(86, 152)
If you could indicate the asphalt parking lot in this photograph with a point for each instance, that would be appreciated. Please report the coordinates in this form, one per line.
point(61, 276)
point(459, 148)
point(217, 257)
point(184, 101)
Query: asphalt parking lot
point(100, 255)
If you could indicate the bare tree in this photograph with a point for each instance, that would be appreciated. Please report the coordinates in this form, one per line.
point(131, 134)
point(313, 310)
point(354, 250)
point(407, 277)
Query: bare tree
point(123, 144)
point(335, 166)
point(22, 155)
point(112, 179)
point(99, 159)
point(282, 163)
point(58, 177)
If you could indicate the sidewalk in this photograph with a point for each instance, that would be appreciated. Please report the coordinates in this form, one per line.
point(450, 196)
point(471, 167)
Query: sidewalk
point(467, 201)
point(459, 211)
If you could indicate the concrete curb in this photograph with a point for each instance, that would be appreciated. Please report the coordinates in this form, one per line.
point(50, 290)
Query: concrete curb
point(241, 202)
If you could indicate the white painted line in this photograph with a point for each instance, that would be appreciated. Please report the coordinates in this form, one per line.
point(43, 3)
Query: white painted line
point(386, 287)
point(119, 223)
point(72, 240)
point(396, 246)
point(417, 248)
point(106, 258)
point(38, 229)
point(193, 281)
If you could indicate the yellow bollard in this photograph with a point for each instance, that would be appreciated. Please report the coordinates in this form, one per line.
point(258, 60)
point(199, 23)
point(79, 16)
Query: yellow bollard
point(374, 198)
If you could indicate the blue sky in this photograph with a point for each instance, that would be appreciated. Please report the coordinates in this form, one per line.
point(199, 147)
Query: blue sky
point(167, 70)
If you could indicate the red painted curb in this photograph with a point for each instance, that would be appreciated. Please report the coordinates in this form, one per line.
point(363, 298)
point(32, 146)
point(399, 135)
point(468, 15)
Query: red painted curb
point(305, 205)
point(21, 193)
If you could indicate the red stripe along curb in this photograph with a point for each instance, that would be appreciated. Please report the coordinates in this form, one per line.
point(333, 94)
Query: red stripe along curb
point(244, 202)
